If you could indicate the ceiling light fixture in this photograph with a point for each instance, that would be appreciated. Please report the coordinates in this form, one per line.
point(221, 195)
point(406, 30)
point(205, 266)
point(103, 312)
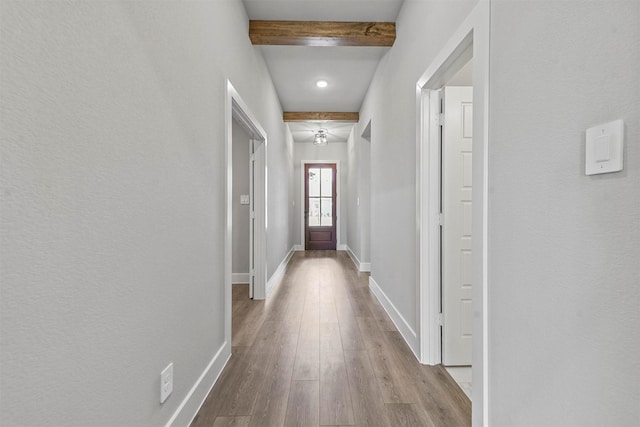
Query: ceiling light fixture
point(322, 83)
point(320, 137)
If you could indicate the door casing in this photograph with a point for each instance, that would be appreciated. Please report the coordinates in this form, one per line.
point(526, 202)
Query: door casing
point(469, 40)
point(236, 108)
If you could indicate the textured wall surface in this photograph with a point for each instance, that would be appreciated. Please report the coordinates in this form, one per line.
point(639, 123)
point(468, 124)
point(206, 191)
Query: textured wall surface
point(564, 270)
point(353, 166)
point(112, 213)
point(359, 181)
point(423, 28)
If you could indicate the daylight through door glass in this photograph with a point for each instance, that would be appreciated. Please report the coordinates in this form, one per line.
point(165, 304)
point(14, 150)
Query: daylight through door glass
point(320, 197)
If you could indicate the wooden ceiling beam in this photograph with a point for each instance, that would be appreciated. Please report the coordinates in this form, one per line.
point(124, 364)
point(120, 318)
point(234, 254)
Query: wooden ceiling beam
point(322, 33)
point(320, 116)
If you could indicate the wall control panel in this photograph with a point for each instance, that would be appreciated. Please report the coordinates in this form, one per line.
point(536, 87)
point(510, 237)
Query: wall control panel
point(604, 148)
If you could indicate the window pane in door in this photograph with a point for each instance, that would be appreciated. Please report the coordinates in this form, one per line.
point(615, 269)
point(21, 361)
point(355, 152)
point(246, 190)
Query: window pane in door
point(314, 212)
point(314, 182)
point(327, 212)
point(326, 178)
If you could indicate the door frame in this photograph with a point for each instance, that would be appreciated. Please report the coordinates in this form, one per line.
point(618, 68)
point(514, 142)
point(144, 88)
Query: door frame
point(470, 40)
point(334, 200)
point(236, 108)
point(303, 237)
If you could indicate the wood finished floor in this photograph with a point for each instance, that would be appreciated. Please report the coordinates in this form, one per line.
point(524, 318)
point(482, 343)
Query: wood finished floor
point(322, 351)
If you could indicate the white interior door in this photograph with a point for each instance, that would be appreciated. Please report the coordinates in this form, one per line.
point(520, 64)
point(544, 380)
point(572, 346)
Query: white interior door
point(456, 231)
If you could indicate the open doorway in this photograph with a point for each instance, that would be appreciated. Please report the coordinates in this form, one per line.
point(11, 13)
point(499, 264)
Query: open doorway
point(241, 209)
point(452, 205)
point(246, 202)
point(456, 184)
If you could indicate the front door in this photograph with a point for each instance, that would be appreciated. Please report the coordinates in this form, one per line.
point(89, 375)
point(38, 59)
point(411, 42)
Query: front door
point(320, 206)
point(456, 230)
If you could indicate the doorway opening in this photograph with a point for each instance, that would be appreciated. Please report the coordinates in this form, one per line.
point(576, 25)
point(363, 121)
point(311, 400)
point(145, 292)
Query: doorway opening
point(246, 214)
point(452, 172)
point(320, 206)
point(456, 184)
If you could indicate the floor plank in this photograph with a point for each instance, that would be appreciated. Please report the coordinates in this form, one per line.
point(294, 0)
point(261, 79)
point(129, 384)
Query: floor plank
point(231, 422)
point(335, 396)
point(366, 397)
point(321, 350)
point(408, 415)
point(302, 409)
point(271, 404)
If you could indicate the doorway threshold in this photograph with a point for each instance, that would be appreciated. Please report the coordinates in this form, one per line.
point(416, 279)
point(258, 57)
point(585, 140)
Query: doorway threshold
point(462, 376)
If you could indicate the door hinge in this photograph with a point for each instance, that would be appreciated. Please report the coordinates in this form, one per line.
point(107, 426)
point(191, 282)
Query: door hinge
point(440, 319)
point(440, 219)
point(253, 215)
point(252, 273)
point(253, 157)
point(441, 119)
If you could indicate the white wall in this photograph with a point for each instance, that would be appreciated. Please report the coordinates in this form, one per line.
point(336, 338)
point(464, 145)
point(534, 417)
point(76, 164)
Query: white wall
point(358, 180)
point(293, 205)
point(241, 157)
point(423, 27)
point(564, 248)
point(112, 219)
point(364, 194)
point(353, 167)
point(332, 151)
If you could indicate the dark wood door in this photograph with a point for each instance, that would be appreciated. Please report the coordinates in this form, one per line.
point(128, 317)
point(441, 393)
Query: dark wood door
point(320, 206)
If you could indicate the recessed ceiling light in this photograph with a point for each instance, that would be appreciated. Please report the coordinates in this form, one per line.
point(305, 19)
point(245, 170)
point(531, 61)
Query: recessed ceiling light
point(322, 83)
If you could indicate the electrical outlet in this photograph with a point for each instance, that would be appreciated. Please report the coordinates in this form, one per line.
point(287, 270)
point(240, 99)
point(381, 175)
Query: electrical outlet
point(166, 382)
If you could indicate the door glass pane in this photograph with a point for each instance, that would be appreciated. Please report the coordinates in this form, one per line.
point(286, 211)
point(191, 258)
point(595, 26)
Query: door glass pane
point(314, 182)
point(314, 212)
point(327, 212)
point(327, 182)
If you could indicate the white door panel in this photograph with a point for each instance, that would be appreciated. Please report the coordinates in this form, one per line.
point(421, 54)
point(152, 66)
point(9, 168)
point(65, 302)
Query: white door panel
point(456, 234)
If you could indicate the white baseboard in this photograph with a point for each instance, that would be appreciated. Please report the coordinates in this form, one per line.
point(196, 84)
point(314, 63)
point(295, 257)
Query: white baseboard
point(189, 407)
point(237, 278)
point(403, 326)
point(354, 258)
point(298, 248)
point(341, 247)
point(277, 275)
point(361, 266)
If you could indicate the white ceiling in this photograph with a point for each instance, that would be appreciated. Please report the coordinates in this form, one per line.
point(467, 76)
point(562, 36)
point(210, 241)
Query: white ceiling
point(296, 69)
point(348, 70)
point(323, 10)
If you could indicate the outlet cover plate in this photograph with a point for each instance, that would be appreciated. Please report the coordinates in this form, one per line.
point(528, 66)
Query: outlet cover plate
point(166, 382)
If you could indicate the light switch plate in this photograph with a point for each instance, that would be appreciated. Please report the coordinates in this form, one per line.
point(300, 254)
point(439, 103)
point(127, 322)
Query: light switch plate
point(604, 148)
point(244, 199)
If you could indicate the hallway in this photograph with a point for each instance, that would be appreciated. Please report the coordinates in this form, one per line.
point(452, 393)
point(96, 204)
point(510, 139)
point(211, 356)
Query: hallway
point(322, 351)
